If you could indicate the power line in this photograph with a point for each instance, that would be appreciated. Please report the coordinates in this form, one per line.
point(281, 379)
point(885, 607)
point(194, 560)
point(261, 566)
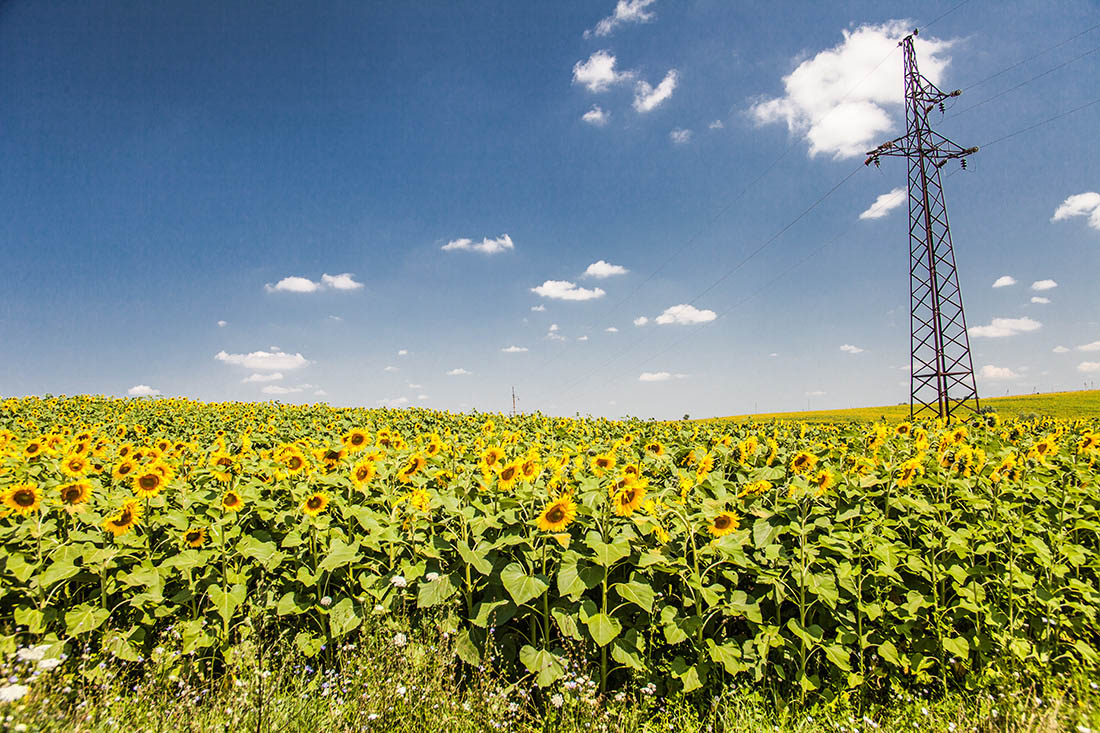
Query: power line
point(1029, 58)
point(1029, 128)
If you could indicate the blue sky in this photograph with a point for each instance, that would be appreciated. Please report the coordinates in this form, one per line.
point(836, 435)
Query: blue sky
point(372, 203)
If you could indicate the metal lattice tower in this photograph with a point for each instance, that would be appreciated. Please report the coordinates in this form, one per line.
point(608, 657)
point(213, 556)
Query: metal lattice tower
point(941, 375)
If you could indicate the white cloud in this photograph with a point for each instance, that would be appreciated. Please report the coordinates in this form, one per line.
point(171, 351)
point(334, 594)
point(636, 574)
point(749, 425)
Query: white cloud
point(838, 99)
point(258, 377)
point(554, 327)
point(515, 350)
point(646, 98)
point(391, 369)
point(422, 397)
point(223, 324)
point(293, 284)
point(264, 360)
point(564, 290)
point(1094, 346)
point(278, 389)
point(680, 136)
point(773, 355)
point(320, 393)
point(815, 393)
point(598, 73)
point(393, 402)
point(1043, 285)
point(641, 321)
point(1060, 350)
point(402, 352)
point(486, 246)
point(684, 315)
point(1088, 367)
point(848, 348)
point(415, 386)
point(597, 116)
point(995, 372)
point(1039, 300)
point(582, 338)
point(142, 390)
point(296, 284)
point(626, 11)
point(538, 308)
point(1004, 281)
point(459, 372)
point(884, 204)
point(601, 270)
point(1002, 327)
point(611, 329)
point(338, 319)
point(716, 125)
point(1081, 204)
point(659, 376)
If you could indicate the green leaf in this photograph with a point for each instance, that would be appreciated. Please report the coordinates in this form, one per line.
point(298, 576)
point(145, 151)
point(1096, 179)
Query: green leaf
point(521, 586)
point(839, 656)
point(194, 636)
point(607, 553)
point(339, 554)
point(566, 622)
point(728, 655)
point(226, 602)
point(266, 553)
point(958, 647)
point(763, 532)
point(687, 674)
point(308, 644)
point(546, 666)
point(474, 559)
point(466, 649)
point(291, 602)
point(434, 592)
point(638, 593)
point(624, 650)
point(57, 571)
point(809, 636)
point(603, 628)
point(493, 613)
point(32, 618)
point(343, 618)
point(84, 618)
point(889, 652)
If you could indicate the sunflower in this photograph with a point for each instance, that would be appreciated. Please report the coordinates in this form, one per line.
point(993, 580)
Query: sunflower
point(723, 524)
point(148, 484)
point(163, 445)
point(363, 472)
point(803, 462)
point(706, 465)
point(755, 488)
point(34, 448)
point(508, 475)
point(491, 458)
point(602, 463)
point(294, 460)
point(221, 466)
point(530, 469)
point(904, 429)
point(909, 471)
point(124, 450)
point(419, 499)
point(557, 515)
point(435, 445)
point(22, 498)
point(412, 465)
point(125, 520)
point(331, 457)
point(654, 449)
point(75, 492)
point(315, 504)
point(232, 501)
point(123, 469)
point(823, 480)
point(356, 440)
point(195, 536)
point(629, 498)
point(74, 465)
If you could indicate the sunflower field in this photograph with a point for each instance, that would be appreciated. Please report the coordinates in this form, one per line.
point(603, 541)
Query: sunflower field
point(813, 557)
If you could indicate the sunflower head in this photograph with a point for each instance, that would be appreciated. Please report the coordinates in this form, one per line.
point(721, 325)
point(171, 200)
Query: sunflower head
point(75, 492)
point(654, 449)
point(315, 503)
point(125, 520)
point(557, 515)
point(356, 440)
point(723, 524)
point(23, 499)
point(148, 483)
point(629, 498)
point(232, 501)
point(363, 472)
point(195, 536)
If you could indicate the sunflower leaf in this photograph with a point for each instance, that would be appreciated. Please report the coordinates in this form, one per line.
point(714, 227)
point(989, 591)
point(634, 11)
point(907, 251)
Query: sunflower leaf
point(521, 586)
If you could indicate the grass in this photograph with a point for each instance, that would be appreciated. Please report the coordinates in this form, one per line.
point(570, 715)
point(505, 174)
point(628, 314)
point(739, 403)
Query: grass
point(386, 681)
point(1063, 405)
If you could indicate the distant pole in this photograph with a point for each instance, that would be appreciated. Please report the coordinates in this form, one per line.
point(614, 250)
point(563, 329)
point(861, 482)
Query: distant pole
point(941, 374)
point(513, 401)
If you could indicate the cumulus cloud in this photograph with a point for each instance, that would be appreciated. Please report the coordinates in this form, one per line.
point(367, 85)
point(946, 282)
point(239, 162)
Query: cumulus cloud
point(277, 389)
point(223, 324)
point(582, 338)
point(296, 284)
point(402, 352)
point(459, 372)
point(641, 321)
point(884, 204)
point(1087, 367)
point(1081, 204)
point(1043, 285)
point(839, 98)
point(1094, 346)
point(1039, 300)
point(995, 372)
point(1003, 327)
point(485, 246)
point(1004, 281)
point(554, 327)
point(391, 368)
point(716, 125)
point(142, 390)
point(601, 270)
point(564, 290)
point(680, 136)
point(393, 402)
point(611, 329)
point(262, 361)
point(626, 11)
point(598, 73)
point(258, 377)
point(597, 116)
point(685, 315)
point(1060, 350)
point(515, 350)
point(659, 376)
point(648, 98)
point(422, 397)
point(848, 348)
point(320, 393)
point(538, 308)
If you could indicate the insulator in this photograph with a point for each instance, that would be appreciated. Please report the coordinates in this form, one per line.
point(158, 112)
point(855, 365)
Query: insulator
point(964, 163)
point(877, 162)
point(942, 110)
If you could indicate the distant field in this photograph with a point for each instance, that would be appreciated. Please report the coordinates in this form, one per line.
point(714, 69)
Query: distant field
point(1065, 405)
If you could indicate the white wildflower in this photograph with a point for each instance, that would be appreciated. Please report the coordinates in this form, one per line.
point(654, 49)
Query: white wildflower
point(399, 581)
point(11, 693)
point(399, 639)
point(557, 700)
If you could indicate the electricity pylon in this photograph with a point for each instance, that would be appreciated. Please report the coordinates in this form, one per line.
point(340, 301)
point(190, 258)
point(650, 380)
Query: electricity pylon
point(941, 372)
